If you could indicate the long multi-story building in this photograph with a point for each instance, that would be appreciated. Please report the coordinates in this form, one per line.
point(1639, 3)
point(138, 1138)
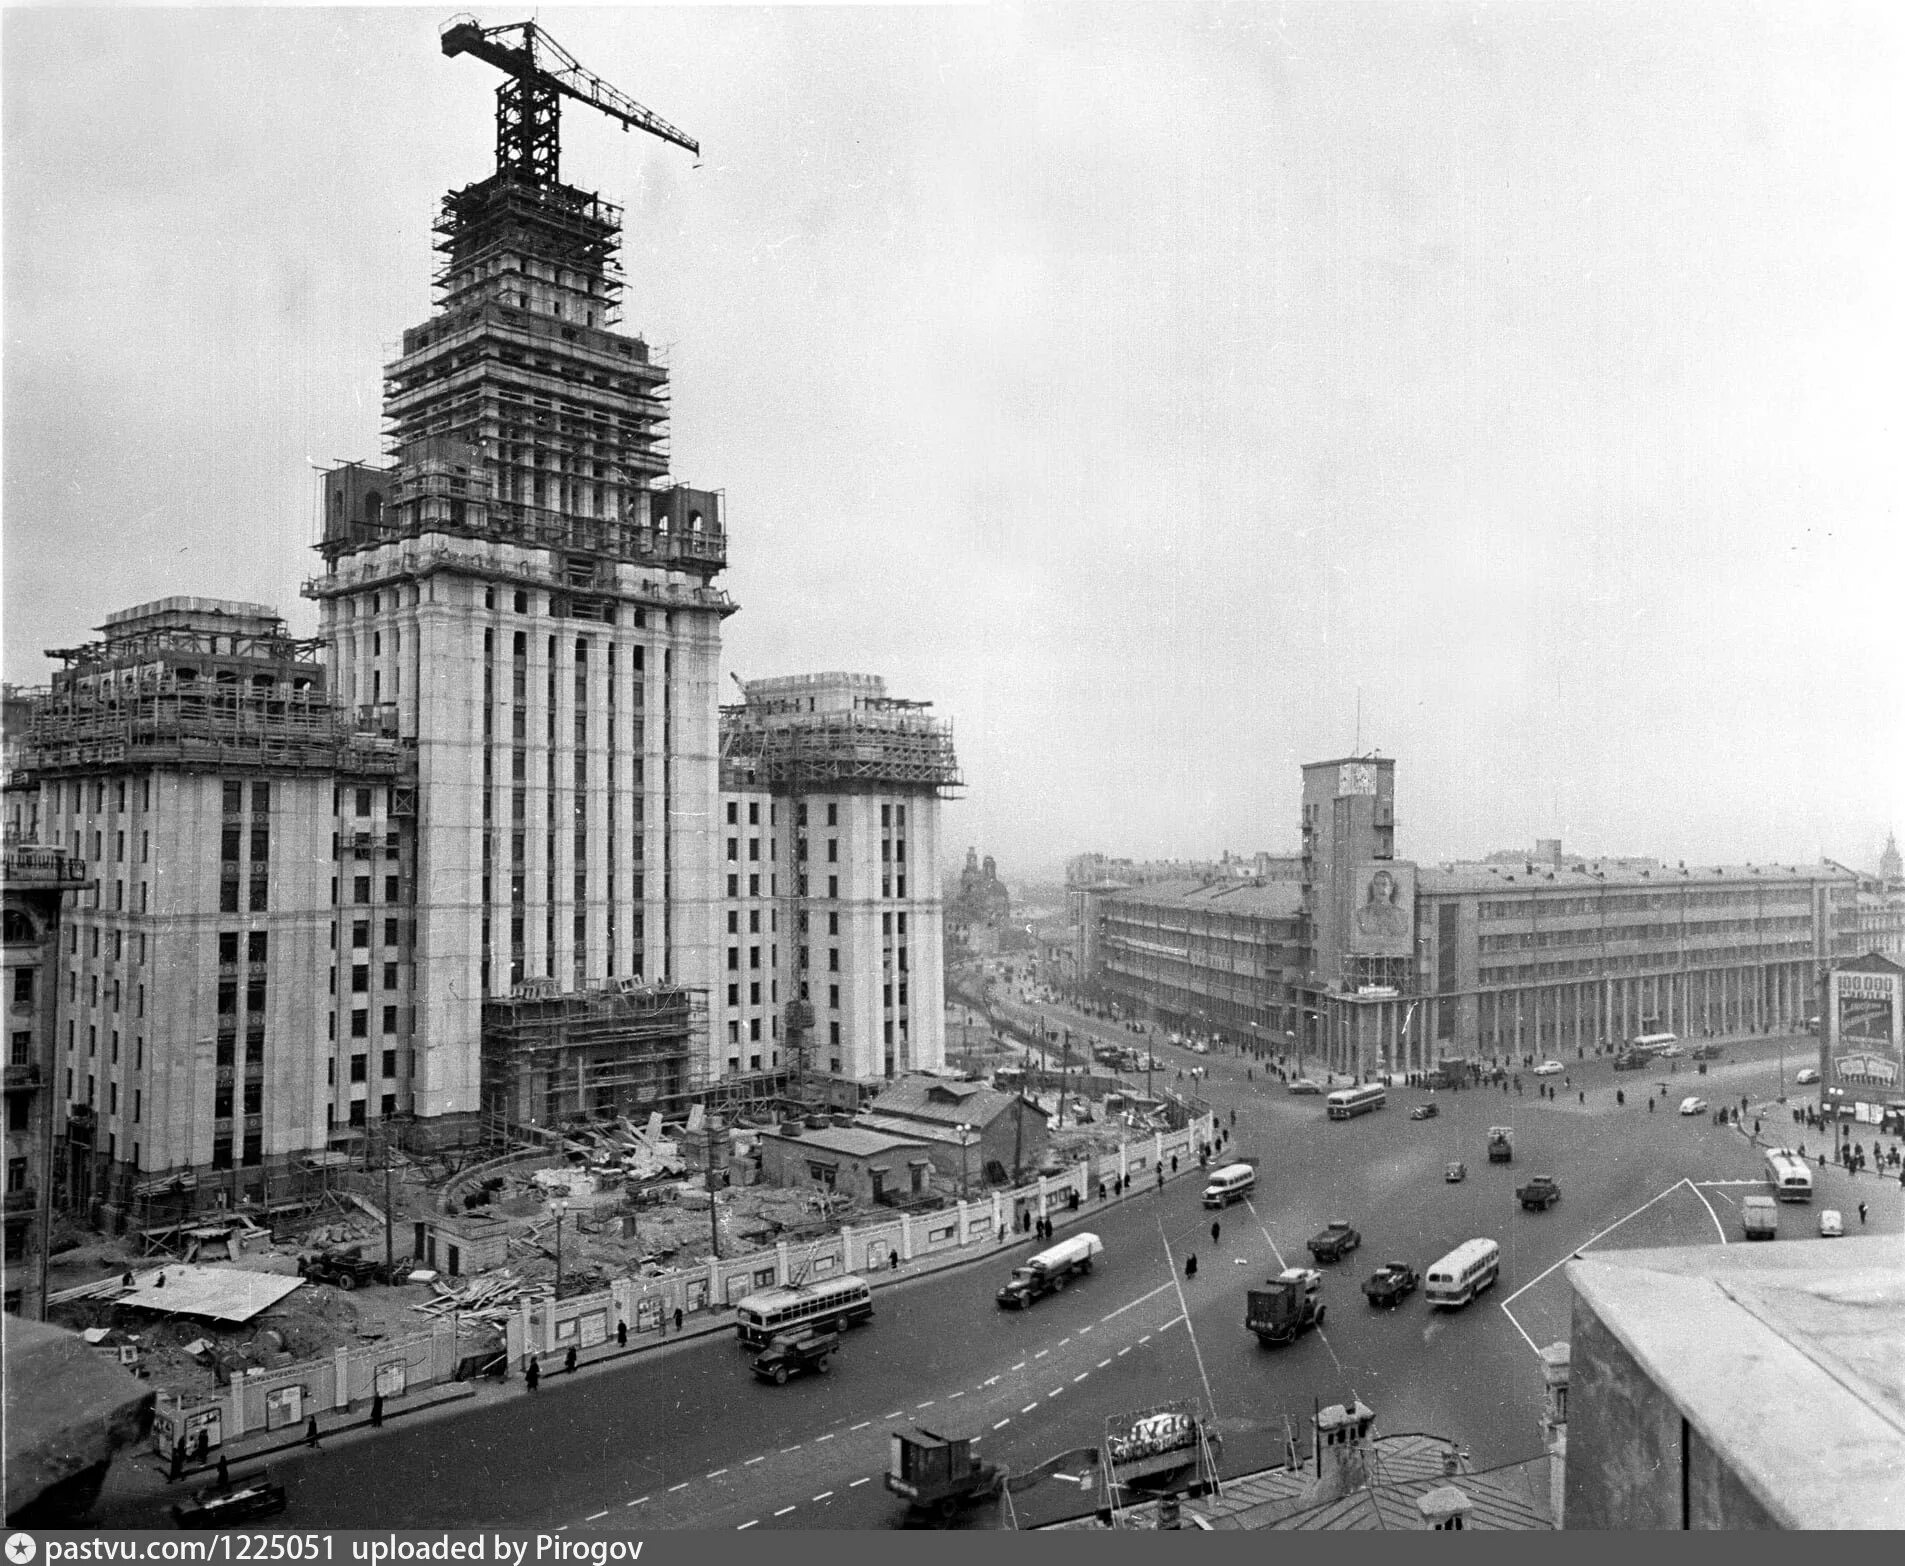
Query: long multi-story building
point(1380, 963)
point(834, 910)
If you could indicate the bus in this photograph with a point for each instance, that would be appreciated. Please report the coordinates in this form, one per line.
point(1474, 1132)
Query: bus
point(832, 1304)
point(1651, 1043)
point(1458, 1277)
point(1788, 1176)
point(1347, 1103)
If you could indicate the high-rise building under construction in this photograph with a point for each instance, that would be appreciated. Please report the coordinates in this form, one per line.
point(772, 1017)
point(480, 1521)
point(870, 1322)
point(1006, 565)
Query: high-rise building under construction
point(527, 596)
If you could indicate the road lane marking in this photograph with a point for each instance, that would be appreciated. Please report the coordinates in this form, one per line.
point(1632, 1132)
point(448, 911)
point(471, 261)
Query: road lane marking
point(949, 1397)
point(717, 1473)
point(1006, 1421)
point(1028, 1408)
point(1054, 1392)
point(1265, 1233)
point(1124, 1351)
point(861, 1426)
point(824, 1495)
point(1080, 1377)
point(827, 1437)
point(796, 1446)
point(1518, 1327)
point(1020, 1365)
point(674, 1487)
point(1083, 1330)
point(1183, 1305)
point(1102, 1363)
point(1172, 1323)
point(1709, 1207)
point(993, 1382)
point(1041, 1353)
point(1063, 1341)
point(1590, 1240)
point(927, 1404)
point(638, 1500)
point(748, 1524)
point(1135, 1303)
point(858, 1482)
point(894, 1415)
point(1146, 1338)
point(593, 1515)
point(783, 1511)
point(752, 1461)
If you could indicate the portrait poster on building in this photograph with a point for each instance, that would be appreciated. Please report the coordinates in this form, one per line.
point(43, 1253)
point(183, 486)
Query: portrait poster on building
point(1382, 909)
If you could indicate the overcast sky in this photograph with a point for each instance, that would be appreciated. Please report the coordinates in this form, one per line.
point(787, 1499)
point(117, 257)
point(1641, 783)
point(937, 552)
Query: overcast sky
point(1143, 385)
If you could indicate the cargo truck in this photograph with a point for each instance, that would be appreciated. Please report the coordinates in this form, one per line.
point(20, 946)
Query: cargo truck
point(1049, 1271)
point(1759, 1217)
point(1285, 1306)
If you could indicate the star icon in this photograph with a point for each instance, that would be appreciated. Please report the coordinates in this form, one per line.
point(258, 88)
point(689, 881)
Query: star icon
point(21, 1548)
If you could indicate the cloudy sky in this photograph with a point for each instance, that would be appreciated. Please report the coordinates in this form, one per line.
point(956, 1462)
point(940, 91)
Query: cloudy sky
point(1147, 386)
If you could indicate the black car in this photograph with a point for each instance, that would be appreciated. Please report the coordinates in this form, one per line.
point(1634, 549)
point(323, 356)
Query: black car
point(1425, 1112)
point(1392, 1283)
point(246, 1498)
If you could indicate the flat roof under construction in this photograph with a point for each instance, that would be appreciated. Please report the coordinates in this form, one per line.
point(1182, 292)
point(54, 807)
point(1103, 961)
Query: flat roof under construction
point(216, 1293)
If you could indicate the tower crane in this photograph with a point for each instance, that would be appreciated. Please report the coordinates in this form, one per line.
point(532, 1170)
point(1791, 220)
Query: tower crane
point(540, 73)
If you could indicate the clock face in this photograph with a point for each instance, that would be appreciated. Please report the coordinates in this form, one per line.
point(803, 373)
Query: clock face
point(1357, 777)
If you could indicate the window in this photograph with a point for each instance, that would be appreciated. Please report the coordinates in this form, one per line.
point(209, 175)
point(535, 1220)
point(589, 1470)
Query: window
point(833, 997)
point(833, 815)
point(234, 806)
point(360, 1024)
point(23, 987)
point(734, 922)
point(390, 1063)
point(833, 924)
point(390, 976)
point(254, 1148)
point(734, 958)
point(360, 932)
point(734, 848)
point(360, 1068)
point(833, 850)
point(255, 946)
point(833, 959)
point(390, 1019)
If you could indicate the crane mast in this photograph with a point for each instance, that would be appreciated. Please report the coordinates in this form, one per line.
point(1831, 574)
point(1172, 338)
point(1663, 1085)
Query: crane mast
point(539, 73)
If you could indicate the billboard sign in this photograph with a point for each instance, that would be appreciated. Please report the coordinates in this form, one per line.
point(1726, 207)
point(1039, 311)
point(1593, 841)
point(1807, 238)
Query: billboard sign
point(1152, 1440)
point(1382, 911)
point(1865, 1040)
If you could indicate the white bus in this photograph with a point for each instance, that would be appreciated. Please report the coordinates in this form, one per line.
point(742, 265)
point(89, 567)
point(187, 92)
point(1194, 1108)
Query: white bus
point(1652, 1043)
point(1346, 1103)
point(1230, 1184)
point(1788, 1176)
point(831, 1304)
point(1458, 1277)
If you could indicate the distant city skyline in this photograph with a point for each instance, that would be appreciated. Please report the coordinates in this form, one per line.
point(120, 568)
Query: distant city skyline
point(1152, 388)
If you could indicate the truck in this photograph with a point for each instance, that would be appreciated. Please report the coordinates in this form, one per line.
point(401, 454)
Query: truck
point(1501, 1144)
point(1049, 1271)
point(1335, 1241)
point(937, 1474)
point(1285, 1306)
point(1539, 1194)
point(792, 1353)
point(1391, 1284)
point(347, 1268)
point(1632, 1060)
point(1759, 1218)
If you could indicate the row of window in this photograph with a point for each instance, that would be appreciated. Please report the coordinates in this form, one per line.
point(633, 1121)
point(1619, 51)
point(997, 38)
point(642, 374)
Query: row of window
point(1743, 899)
point(1526, 940)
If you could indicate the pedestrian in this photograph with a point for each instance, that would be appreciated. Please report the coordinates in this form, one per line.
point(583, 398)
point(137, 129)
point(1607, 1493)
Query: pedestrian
point(377, 1411)
point(225, 1468)
point(1174, 1163)
point(896, 1262)
point(1861, 1215)
point(532, 1374)
point(1215, 1230)
point(1101, 1190)
point(1650, 1103)
point(568, 1360)
point(1161, 1175)
point(621, 1334)
point(178, 1461)
point(311, 1431)
point(1190, 1265)
point(202, 1446)
point(1756, 1125)
point(1583, 1095)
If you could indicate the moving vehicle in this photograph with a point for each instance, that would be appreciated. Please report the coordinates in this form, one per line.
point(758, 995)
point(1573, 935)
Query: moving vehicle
point(1539, 1194)
point(245, 1498)
point(790, 1353)
point(1304, 1085)
point(1708, 1052)
point(1335, 1241)
point(1759, 1218)
point(1669, 1052)
point(1049, 1271)
point(346, 1268)
point(1501, 1144)
point(1694, 1106)
point(1788, 1176)
point(1654, 1043)
point(938, 1474)
point(1391, 1284)
point(1285, 1306)
point(1424, 1112)
point(832, 1304)
point(1347, 1103)
point(1465, 1272)
point(1550, 1068)
point(1831, 1224)
point(1454, 1172)
point(1632, 1060)
point(1807, 1076)
point(1230, 1184)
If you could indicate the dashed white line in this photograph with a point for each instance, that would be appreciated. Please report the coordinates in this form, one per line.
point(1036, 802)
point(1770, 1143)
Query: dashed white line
point(593, 1515)
point(1063, 1341)
point(1006, 1421)
point(1083, 1330)
point(949, 1398)
point(861, 1426)
point(858, 1482)
point(717, 1473)
point(783, 1511)
point(993, 1382)
point(1172, 1323)
point(827, 1437)
point(1041, 1353)
point(927, 1404)
point(1020, 1365)
point(752, 1461)
point(796, 1446)
point(638, 1500)
point(1124, 1351)
point(1146, 1338)
point(824, 1495)
point(894, 1415)
point(1028, 1408)
point(1102, 1363)
point(748, 1524)
point(1080, 1377)
point(674, 1487)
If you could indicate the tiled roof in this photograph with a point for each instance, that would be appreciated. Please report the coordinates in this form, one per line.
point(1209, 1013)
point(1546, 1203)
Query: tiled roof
point(943, 1103)
point(850, 1141)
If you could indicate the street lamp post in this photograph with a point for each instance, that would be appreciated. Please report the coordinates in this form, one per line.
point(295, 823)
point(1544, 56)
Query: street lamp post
point(558, 1207)
point(965, 1170)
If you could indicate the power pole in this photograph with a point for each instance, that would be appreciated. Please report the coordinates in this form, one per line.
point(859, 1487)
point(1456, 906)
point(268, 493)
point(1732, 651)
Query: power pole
point(390, 1249)
point(714, 1216)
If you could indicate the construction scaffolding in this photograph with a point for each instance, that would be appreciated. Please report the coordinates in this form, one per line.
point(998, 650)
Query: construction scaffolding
point(551, 1058)
point(882, 744)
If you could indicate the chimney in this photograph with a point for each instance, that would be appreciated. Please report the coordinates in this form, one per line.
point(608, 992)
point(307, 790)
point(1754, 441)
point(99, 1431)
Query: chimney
point(1445, 1508)
point(1342, 1452)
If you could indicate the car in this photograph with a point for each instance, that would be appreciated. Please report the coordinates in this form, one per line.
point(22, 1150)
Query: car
point(1305, 1085)
point(1632, 1060)
point(1455, 1172)
point(1807, 1075)
point(1831, 1225)
point(1425, 1112)
point(1693, 1106)
point(1539, 1194)
point(790, 1353)
point(1708, 1052)
point(1391, 1284)
point(1549, 1068)
point(1334, 1241)
point(243, 1498)
point(1670, 1052)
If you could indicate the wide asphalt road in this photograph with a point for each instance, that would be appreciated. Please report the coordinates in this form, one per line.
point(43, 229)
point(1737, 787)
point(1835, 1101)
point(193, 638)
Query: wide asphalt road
point(687, 1438)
